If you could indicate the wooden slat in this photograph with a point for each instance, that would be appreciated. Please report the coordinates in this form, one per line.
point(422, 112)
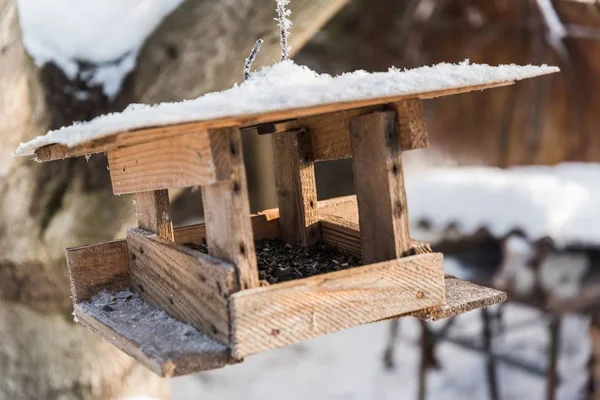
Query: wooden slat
point(265, 225)
point(379, 185)
point(296, 187)
point(191, 286)
point(227, 208)
point(97, 267)
point(281, 314)
point(153, 213)
point(461, 297)
point(164, 345)
point(330, 133)
point(411, 124)
point(345, 235)
point(175, 162)
point(112, 142)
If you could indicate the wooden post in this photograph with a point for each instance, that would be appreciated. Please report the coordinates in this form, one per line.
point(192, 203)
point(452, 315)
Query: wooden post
point(227, 208)
point(594, 371)
point(153, 212)
point(296, 188)
point(379, 184)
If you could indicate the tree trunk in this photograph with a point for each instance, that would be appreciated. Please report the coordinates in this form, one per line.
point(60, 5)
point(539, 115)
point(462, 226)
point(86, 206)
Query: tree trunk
point(45, 208)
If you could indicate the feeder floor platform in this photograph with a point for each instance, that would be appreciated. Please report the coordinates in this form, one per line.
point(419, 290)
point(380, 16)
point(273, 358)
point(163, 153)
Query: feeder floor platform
point(171, 348)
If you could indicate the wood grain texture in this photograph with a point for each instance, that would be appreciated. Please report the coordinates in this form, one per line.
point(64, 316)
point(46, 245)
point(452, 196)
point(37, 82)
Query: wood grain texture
point(112, 142)
point(345, 235)
point(102, 266)
point(411, 124)
point(379, 185)
point(169, 348)
point(278, 315)
point(461, 297)
point(296, 187)
point(175, 162)
point(265, 225)
point(153, 213)
point(227, 208)
point(189, 285)
point(329, 133)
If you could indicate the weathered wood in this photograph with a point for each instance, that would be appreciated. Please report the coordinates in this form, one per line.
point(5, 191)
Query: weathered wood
point(411, 124)
point(191, 286)
point(296, 187)
point(461, 297)
point(153, 213)
point(265, 225)
point(345, 207)
point(110, 143)
point(175, 162)
point(97, 267)
point(164, 345)
point(329, 133)
point(227, 208)
point(277, 315)
point(345, 235)
point(379, 185)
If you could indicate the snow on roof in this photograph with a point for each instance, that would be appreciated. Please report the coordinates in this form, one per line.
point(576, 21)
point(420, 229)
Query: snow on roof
point(286, 85)
point(559, 201)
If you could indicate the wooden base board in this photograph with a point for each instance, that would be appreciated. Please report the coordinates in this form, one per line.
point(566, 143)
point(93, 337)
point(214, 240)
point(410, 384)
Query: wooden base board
point(159, 342)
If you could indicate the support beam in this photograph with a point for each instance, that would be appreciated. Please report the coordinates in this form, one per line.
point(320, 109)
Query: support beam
point(411, 124)
point(296, 187)
point(153, 213)
point(175, 162)
point(379, 184)
point(227, 208)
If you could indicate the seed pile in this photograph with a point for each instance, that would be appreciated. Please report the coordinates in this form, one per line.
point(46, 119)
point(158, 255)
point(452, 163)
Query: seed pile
point(280, 262)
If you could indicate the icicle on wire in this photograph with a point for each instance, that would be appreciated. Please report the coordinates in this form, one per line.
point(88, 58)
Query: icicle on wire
point(251, 58)
point(284, 22)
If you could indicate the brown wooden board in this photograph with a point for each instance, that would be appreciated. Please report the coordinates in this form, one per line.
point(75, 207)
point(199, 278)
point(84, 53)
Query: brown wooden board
point(161, 343)
point(153, 213)
point(285, 313)
point(461, 297)
point(175, 162)
point(296, 187)
point(191, 286)
point(97, 267)
point(227, 208)
point(112, 142)
point(411, 124)
point(379, 185)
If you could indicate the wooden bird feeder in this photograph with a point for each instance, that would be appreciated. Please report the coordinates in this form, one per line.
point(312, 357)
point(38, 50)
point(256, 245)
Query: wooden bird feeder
point(179, 310)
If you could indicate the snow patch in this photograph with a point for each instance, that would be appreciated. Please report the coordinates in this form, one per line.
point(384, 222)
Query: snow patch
point(108, 34)
point(556, 201)
point(285, 86)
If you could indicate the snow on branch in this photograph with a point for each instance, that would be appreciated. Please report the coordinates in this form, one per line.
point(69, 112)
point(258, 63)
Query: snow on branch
point(251, 58)
point(284, 22)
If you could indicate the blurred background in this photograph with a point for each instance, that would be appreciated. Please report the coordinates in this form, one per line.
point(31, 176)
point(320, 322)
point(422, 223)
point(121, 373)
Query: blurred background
point(508, 190)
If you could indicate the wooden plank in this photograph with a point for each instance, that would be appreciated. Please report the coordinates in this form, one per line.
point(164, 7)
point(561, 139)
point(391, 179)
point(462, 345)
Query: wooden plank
point(379, 185)
point(461, 297)
point(191, 286)
point(296, 187)
point(411, 124)
point(265, 225)
point(329, 133)
point(345, 235)
point(281, 314)
point(159, 342)
point(98, 267)
point(153, 213)
point(175, 162)
point(112, 142)
point(227, 208)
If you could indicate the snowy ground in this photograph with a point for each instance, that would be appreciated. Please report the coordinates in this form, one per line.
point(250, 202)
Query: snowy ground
point(348, 365)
